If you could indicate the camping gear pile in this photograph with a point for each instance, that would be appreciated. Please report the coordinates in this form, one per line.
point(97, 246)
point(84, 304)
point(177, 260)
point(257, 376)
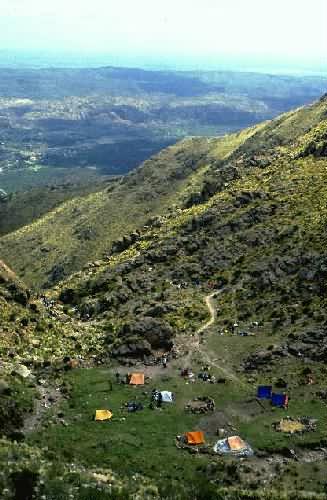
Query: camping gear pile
point(207, 377)
point(187, 373)
point(280, 400)
point(200, 405)
point(159, 397)
point(233, 445)
point(295, 425)
point(133, 406)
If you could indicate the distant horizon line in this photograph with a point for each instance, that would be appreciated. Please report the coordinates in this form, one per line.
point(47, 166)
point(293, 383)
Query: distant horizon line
point(61, 59)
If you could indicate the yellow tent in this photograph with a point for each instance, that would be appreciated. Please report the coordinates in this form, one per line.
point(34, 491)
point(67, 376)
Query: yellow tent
point(103, 415)
point(136, 379)
point(196, 437)
point(291, 426)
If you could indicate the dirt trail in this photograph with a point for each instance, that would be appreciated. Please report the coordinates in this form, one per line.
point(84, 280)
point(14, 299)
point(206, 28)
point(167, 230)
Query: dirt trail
point(48, 397)
point(194, 345)
point(197, 346)
point(212, 310)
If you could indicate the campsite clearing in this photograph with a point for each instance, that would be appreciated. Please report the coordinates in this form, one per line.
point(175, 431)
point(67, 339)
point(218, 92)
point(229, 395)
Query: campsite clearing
point(141, 441)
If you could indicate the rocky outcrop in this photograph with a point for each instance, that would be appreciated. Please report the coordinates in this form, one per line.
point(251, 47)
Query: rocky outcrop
point(157, 332)
point(138, 340)
point(215, 182)
point(11, 287)
point(132, 348)
point(125, 242)
point(4, 197)
point(311, 345)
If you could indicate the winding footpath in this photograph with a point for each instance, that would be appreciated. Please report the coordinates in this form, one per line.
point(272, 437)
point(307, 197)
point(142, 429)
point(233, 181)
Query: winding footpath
point(197, 346)
point(212, 310)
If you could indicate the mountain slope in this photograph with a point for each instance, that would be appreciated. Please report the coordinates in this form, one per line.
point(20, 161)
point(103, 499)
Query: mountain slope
point(261, 235)
point(85, 228)
point(231, 277)
point(253, 247)
point(24, 207)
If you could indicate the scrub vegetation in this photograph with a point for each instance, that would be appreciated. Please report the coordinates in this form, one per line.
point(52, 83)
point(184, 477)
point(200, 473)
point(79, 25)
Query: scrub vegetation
point(127, 277)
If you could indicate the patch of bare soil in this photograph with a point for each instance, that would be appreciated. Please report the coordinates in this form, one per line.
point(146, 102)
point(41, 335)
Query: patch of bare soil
point(49, 396)
point(211, 424)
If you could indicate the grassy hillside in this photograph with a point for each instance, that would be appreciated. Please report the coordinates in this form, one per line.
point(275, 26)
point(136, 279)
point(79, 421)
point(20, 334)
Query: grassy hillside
point(257, 233)
point(260, 239)
point(24, 207)
point(85, 228)
point(237, 235)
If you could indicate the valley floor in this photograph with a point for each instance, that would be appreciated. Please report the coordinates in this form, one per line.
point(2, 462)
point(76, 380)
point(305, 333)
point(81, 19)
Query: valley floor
point(141, 442)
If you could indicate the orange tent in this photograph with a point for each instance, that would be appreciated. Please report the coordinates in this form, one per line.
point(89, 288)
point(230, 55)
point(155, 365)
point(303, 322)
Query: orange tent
point(136, 379)
point(194, 437)
point(236, 443)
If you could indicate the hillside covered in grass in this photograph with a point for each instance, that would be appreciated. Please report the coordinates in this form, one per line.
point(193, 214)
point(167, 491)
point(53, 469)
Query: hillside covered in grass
point(254, 224)
point(213, 254)
point(85, 228)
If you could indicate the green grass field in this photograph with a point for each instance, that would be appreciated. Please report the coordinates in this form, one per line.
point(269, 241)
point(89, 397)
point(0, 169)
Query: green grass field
point(144, 442)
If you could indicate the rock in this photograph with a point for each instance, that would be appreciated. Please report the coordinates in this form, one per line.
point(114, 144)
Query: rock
point(157, 332)
point(57, 273)
point(16, 435)
point(4, 197)
point(70, 364)
point(125, 242)
point(16, 290)
point(22, 371)
point(68, 296)
point(133, 349)
point(5, 389)
point(281, 383)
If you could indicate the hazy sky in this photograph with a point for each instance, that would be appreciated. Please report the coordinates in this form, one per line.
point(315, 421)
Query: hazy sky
point(291, 29)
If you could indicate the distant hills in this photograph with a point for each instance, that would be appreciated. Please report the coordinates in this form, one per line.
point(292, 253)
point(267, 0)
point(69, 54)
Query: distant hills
point(111, 119)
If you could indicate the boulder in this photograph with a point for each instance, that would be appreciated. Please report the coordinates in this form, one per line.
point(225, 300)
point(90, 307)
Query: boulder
point(4, 197)
point(125, 242)
point(22, 371)
point(157, 332)
point(132, 349)
point(4, 388)
point(13, 287)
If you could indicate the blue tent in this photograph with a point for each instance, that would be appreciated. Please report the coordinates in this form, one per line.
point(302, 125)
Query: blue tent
point(280, 400)
point(264, 391)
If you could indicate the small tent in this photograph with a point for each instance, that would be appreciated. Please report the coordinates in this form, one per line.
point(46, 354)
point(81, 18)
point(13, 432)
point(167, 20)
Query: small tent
point(279, 400)
point(264, 392)
point(167, 397)
point(196, 437)
point(290, 426)
point(233, 445)
point(136, 379)
point(101, 415)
